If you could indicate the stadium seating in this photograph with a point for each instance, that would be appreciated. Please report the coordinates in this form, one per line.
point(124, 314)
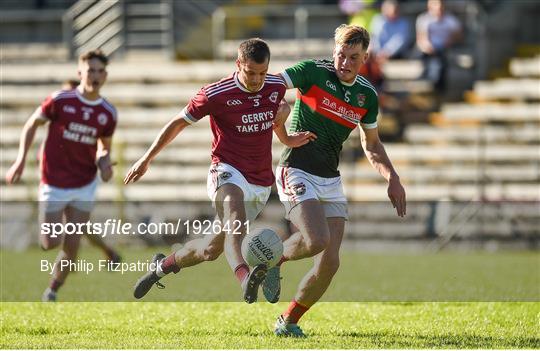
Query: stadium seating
point(487, 147)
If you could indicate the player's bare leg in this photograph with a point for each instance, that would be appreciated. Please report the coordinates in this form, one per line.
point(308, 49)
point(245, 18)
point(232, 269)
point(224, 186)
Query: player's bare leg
point(231, 209)
point(232, 212)
point(47, 241)
point(197, 251)
point(326, 264)
point(68, 253)
point(97, 241)
point(194, 252)
point(315, 282)
point(313, 235)
point(311, 238)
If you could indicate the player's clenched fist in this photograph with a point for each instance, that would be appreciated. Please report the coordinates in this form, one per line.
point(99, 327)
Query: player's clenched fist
point(137, 171)
point(105, 167)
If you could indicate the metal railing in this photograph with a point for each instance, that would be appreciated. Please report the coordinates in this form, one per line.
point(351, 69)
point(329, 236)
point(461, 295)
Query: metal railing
point(301, 16)
point(94, 24)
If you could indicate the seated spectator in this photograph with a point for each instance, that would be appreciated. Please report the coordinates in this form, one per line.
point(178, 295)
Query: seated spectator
point(436, 31)
point(390, 33)
point(360, 12)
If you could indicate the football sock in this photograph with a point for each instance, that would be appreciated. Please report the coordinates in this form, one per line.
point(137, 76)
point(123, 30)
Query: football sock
point(167, 265)
point(294, 312)
point(281, 261)
point(241, 272)
point(55, 285)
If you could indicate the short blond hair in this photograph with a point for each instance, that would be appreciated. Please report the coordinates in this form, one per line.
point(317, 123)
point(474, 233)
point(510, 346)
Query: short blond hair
point(351, 35)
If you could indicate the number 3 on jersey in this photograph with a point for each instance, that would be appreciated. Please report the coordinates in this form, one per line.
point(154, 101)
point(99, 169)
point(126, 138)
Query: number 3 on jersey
point(256, 102)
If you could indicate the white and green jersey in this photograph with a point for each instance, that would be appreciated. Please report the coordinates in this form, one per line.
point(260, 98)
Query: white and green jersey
point(329, 108)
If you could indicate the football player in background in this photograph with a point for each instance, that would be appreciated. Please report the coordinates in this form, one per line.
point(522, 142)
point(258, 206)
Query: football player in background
point(81, 124)
point(96, 240)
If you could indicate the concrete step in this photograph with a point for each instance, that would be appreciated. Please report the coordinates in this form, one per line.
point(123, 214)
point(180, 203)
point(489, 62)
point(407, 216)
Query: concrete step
point(163, 173)
point(399, 153)
point(366, 192)
point(492, 112)
point(127, 116)
point(525, 67)
point(121, 95)
point(163, 71)
point(508, 89)
point(15, 54)
point(421, 133)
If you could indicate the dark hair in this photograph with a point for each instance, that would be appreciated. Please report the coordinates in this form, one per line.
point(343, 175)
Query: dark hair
point(254, 49)
point(70, 84)
point(94, 54)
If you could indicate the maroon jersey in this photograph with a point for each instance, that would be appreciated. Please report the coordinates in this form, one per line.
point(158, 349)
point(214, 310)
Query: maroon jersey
point(241, 123)
point(68, 157)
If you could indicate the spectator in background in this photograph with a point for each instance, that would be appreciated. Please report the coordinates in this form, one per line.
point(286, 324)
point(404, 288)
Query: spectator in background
point(391, 33)
point(360, 12)
point(436, 32)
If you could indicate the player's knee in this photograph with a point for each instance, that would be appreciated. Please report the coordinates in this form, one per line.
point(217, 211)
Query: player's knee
point(70, 254)
point(318, 243)
point(71, 248)
point(332, 266)
point(328, 267)
point(211, 253)
point(49, 244)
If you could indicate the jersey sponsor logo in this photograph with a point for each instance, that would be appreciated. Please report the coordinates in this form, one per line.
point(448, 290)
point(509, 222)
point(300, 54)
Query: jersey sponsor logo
point(80, 133)
point(102, 119)
point(69, 109)
point(256, 122)
point(274, 96)
point(361, 99)
point(257, 117)
point(331, 85)
point(332, 107)
point(234, 102)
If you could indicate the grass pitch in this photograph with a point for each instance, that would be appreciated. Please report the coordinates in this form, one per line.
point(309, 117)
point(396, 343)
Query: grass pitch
point(205, 325)
point(351, 324)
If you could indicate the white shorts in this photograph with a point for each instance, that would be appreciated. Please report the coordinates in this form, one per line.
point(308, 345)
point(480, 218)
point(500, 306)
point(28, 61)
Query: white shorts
point(294, 186)
point(255, 196)
point(53, 199)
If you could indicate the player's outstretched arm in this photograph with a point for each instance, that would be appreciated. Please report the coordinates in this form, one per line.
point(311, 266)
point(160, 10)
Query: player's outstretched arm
point(377, 157)
point(294, 139)
point(27, 137)
point(166, 135)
